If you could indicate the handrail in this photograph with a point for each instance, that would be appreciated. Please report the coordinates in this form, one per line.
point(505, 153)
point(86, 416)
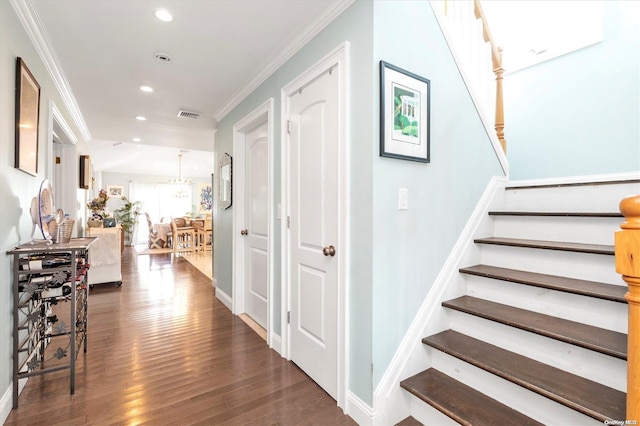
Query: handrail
point(627, 249)
point(496, 60)
point(461, 22)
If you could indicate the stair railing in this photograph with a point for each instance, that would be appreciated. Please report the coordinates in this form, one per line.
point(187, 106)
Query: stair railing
point(627, 251)
point(467, 24)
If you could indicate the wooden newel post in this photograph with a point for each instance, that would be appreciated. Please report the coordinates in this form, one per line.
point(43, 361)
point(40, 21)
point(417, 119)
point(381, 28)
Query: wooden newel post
point(628, 264)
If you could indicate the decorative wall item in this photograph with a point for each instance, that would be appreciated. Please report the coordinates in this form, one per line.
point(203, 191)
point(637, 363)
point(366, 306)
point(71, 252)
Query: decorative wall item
point(27, 119)
point(225, 181)
point(404, 114)
point(205, 198)
point(85, 172)
point(115, 191)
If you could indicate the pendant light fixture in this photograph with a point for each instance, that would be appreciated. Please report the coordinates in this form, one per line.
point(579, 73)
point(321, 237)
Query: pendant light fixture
point(180, 180)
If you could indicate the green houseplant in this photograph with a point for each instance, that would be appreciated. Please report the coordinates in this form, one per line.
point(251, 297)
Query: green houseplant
point(127, 216)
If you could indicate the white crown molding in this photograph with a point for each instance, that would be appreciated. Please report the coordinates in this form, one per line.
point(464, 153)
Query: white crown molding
point(286, 53)
point(30, 20)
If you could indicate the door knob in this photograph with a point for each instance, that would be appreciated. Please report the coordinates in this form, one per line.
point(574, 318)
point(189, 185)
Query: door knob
point(244, 232)
point(329, 251)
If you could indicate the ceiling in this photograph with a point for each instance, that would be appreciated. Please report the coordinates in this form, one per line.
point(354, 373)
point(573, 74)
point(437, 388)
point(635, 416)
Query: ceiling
point(220, 50)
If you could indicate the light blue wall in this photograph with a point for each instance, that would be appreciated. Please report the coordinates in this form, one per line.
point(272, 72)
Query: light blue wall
point(355, 26)
point(579, 114)
point(410, 247)
point(16, 187)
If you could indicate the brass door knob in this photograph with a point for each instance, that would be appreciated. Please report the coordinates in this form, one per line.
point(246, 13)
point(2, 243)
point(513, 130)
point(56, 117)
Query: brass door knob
point(329, 251)
point(244, 232)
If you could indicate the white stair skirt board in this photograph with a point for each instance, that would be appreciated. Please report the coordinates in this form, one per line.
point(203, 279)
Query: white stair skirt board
point(393, 404)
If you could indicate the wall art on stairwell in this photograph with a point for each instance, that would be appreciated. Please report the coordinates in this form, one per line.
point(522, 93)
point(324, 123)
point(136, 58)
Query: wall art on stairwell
point(27, 118)
point(404, 114)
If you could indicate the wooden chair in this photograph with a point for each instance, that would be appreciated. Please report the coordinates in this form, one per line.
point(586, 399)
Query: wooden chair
point(182, 239)
point(154, 240)
point(203, 234)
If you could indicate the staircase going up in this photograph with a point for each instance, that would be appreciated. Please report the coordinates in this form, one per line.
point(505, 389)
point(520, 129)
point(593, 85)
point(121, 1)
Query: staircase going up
point(539, 336)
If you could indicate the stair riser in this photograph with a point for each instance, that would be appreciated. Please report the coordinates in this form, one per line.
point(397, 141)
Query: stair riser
point(520, 399)
point(586, 230)
point(589, 198)
point(586, 266)
point(587, 310)
point(611, 371)
point(427, 415)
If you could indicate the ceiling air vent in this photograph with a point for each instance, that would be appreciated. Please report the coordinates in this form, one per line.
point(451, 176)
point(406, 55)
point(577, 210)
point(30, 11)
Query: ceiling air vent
point(188, 114)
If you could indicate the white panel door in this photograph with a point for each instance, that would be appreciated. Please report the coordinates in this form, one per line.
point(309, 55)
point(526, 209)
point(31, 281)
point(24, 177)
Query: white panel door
point(256, 224)
point(314, 229)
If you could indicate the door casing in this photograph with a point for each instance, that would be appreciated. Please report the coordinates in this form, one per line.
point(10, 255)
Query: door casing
point(337, 61)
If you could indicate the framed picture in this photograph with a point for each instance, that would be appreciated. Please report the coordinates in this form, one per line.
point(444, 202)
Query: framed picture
point(404, 114)
point(205, 198)
point(27, 119)
point(84, 169)
point(115, 191)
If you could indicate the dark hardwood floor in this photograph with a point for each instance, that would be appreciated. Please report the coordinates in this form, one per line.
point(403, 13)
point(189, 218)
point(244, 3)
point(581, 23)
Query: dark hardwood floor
point(163, 350)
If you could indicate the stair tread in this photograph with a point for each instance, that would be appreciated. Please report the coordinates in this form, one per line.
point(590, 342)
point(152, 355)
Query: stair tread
point(588, 397)
point(570, 285)
point(549, 245)
point(555, 214)
point(597, 339)
point(462, 403)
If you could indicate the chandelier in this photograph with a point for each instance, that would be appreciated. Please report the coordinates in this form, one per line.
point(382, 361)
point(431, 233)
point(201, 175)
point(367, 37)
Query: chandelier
point(180, 181)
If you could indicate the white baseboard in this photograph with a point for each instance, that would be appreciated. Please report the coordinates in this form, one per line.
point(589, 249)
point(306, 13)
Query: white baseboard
point(275, 342)
point(389, 402)
point(224, 298)
point(6, 404)
point(359, 410)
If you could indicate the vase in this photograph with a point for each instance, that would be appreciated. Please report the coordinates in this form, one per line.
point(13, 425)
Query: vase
point(94, 223)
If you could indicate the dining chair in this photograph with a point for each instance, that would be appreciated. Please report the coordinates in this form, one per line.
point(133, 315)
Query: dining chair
point(154, 240)
point(182, 239)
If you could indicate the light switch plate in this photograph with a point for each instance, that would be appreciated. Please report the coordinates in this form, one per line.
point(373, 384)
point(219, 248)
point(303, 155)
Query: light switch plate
point(403, 199)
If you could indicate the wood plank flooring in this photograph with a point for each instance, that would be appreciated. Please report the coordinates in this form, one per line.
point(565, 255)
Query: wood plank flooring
point(162, 350)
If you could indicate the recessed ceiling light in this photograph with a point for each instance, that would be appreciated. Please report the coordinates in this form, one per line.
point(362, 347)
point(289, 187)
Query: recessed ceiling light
point(164, 15)
point(141, 118)
point(147, 89)
point(136, 139)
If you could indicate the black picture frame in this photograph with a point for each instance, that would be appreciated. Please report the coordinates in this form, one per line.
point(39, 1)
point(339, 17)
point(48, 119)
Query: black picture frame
point(405, 110)
point(27, 119)
point(84, 168)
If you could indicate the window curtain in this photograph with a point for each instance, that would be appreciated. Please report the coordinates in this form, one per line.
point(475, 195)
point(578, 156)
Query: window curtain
point(162, 201)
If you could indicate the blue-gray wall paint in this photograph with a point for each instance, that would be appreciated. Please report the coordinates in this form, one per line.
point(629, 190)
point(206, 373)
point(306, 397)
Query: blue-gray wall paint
point(355, 26)
point(410, 247)
point(16, 187)
point(579, 114)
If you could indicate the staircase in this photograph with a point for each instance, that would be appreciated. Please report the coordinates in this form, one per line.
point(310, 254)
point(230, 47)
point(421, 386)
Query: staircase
point(539, 334)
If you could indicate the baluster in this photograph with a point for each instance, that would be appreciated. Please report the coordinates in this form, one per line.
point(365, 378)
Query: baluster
point(627, 251)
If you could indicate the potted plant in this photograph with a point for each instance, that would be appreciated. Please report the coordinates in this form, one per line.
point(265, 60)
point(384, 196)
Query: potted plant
point(127, 216)
point(98, 207)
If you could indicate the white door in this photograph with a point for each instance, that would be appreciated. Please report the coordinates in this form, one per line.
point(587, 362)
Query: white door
point(256, 222)
point(313, 234)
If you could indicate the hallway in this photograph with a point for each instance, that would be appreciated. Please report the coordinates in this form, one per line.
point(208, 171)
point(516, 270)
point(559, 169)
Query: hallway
point(163, 350)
